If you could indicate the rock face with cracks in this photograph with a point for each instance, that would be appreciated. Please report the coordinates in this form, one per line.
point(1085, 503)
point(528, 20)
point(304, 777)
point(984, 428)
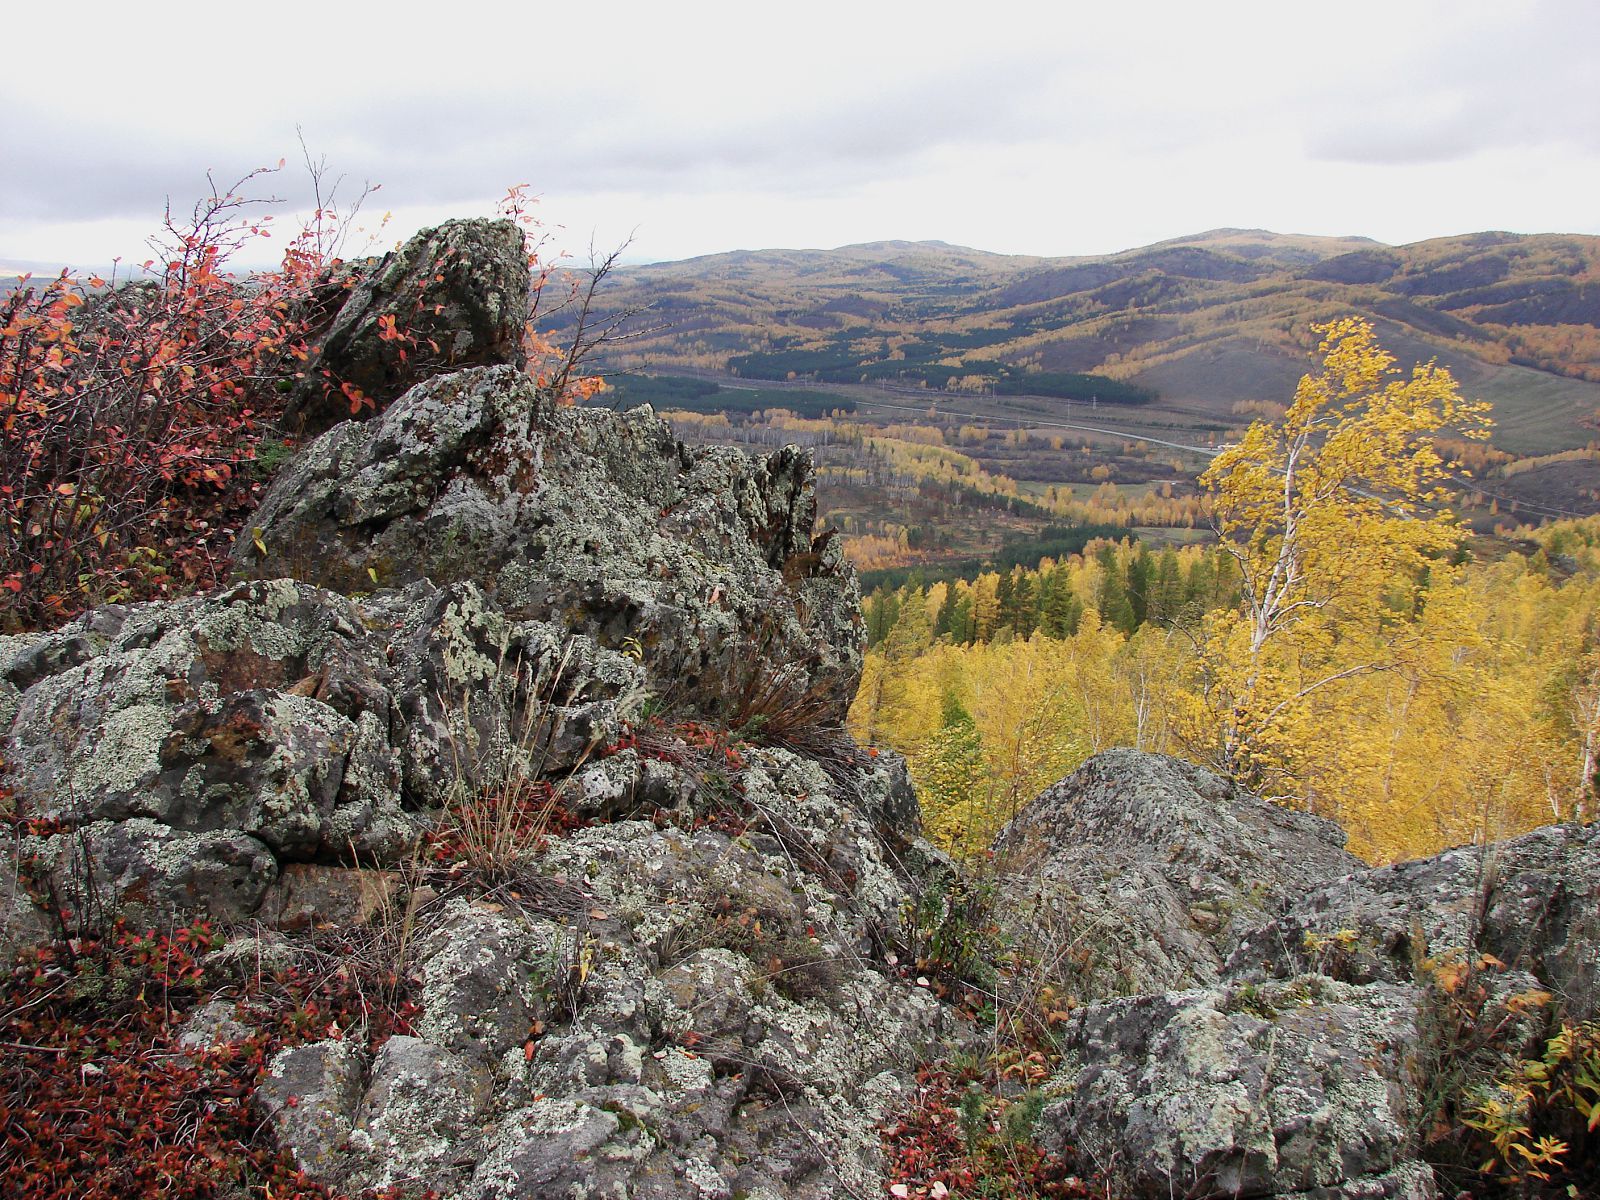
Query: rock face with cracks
point(1253, 1009)
point(192, 749)
point(1302, 1087)
point(702, 563)
point(1533, 902)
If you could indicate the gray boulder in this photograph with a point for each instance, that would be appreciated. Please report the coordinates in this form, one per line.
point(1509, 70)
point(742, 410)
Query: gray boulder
point(457, 296)
point(187, 750)
point(701, 563)
point(1138, 873)
point(1532, 902)
point(241, 710)
point(22, 922)
point(1297, 1088)
point(419, 1117)
point(309, 1095)
point(148, 872)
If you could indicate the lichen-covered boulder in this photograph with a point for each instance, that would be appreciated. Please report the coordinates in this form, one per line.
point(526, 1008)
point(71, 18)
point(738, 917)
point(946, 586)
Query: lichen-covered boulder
point(453, 296)
point(1138, 872)
point(183, 752)
point(701, 563)
point(1266, 1016)
point(419, 1116)
point(23, 922)
point(555, 1148)
point(483, 698)
point(241, 710)
point(651, 1010)
point(148, 872)
point(1532, 902)
point(309, 1095)
point(1296, 1088)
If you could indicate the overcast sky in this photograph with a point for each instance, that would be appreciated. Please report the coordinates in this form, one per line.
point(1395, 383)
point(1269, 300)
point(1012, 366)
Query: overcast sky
point(1066, 128)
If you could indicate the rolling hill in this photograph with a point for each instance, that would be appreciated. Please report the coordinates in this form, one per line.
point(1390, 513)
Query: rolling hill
point(1191, 332)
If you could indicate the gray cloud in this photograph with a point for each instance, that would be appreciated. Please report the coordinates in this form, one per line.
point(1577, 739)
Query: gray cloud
point(1532, 83)
point(962, 118)
point(449, 146)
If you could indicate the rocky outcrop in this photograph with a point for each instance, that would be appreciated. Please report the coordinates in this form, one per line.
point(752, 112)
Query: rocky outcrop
point(453, 296)
point(1139, 871)
point(192, 748)
point(1259, 1014)
point(650, 1009)
point(1533, 902)
point(690, 995)
point(642, 958)
point(703, 564)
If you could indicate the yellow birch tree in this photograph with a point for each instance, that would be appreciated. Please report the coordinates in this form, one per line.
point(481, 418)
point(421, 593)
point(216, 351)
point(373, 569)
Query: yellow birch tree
point(1335, 519)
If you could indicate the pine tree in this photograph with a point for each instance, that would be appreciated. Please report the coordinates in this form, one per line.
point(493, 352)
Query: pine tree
point(882, 609)
point(1115, 610)
point(1166, 596)
point(1060, 608)
point(949, 773)
point(1005, 599)
point(912, 632)
point(1140, 571)
point(1024, 604)
point(944, 623)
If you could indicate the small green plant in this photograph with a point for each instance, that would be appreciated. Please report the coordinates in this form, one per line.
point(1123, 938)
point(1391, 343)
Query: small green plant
point(270, 456)
point(1251, 999)
point(950, 930)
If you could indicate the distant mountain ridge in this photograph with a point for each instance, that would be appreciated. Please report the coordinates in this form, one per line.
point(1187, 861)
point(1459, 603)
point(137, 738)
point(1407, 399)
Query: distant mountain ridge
point(1208, 322)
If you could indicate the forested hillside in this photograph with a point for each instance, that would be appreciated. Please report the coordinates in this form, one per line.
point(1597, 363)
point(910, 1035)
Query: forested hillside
point(1191, 328)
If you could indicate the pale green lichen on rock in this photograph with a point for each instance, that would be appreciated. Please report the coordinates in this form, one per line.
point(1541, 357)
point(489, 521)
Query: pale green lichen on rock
point(126, 754)
point(421, 1102)
point(590, 516)
point(251, 616)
